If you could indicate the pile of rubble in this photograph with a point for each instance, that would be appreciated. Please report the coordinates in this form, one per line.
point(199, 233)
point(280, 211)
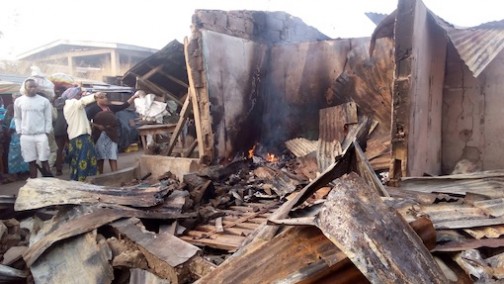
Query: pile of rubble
point(258, 221)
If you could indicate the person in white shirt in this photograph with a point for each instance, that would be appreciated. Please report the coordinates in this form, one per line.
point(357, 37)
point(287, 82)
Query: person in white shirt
point(33, 119)
point(81, 149)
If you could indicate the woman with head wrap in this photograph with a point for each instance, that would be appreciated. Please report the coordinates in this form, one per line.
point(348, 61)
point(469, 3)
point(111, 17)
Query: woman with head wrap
point(81, 151)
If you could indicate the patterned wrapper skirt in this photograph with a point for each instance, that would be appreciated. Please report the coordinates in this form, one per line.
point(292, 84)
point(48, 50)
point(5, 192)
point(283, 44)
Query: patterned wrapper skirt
point(16, 162)
point(82, 157)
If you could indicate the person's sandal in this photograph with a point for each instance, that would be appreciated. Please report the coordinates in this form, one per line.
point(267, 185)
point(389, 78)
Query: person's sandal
point(44, 172)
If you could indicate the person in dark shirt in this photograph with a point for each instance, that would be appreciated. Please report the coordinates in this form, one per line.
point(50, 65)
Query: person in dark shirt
point(105, 129)
point(60, 132)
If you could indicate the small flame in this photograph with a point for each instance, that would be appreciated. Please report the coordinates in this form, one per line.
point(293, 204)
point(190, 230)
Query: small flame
point(271, 158)
point(251, 152)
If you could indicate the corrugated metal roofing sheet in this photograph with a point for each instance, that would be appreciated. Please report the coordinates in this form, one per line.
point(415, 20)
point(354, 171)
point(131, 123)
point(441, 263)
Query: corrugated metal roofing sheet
point(171, 74)
point(376, 18)
point(301, 146)
point(478, 46)
point(487, 183)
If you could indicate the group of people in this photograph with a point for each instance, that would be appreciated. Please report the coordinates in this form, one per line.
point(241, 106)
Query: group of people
point(81, 122)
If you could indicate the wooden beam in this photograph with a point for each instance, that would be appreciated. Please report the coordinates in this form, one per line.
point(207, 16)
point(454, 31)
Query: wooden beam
point(180, 124)
point(190, 149)
point(195, 102)
point(151, 72)
point(166, 255)
point(158, 89)
point(182, 83)
point(366, 171)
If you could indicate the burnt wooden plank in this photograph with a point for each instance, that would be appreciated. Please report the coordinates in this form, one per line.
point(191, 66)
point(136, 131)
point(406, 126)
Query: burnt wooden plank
point(341, 166)
point(224, 242)
point(75, 260)
point(233, 231)
point(366, 171)
point(165, 247)
point(282, 183)
point(195, 101)
point(156, 88)
point(13, 254)
point(389, 253)
point(180, 124)
point(43, 192)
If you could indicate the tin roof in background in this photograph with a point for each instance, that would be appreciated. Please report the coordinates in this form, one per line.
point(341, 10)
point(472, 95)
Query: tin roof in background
point(12, 78)
point(163, 71)
point(376, 18)
point(478, 46)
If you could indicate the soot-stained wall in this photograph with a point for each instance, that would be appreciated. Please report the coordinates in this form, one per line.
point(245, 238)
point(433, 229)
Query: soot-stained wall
point(268, 87)
point(233, 67)
point(418, 89)
point(258, 26)
point(303, 78)
point(472, 114)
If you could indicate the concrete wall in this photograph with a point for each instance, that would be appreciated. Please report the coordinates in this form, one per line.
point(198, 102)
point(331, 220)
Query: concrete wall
point(429, 55)
point(294, 88)
point(420, 64)
point(263, 77)
point(265, 27)
point(233, 69)
point(305, 77)
point(472, 114)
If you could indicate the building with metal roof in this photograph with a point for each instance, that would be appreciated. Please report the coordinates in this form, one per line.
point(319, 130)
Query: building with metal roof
point(89, 59)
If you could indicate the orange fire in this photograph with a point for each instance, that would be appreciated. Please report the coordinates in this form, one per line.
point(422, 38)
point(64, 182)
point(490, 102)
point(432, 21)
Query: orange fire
point(271, 158)
point(251, 152)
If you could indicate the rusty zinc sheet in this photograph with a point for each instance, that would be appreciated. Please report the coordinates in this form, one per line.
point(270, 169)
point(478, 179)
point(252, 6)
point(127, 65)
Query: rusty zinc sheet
point(478, 46)
point(487, 183)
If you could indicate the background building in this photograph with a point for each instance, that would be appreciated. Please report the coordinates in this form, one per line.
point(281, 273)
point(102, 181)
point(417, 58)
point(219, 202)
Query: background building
point(86, 59)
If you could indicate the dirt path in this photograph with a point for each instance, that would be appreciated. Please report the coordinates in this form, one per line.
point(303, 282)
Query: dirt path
point(125, 160)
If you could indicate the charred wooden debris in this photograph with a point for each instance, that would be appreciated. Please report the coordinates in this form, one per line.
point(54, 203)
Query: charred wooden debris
point(223, 210)
point(259, 221)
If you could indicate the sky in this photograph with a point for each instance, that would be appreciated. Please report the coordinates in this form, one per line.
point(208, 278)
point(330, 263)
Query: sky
point(28, 24)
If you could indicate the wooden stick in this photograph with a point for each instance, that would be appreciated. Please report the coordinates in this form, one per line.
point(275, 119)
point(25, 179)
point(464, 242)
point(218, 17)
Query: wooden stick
point(195, 104)
point(180, 123)
point(191, 148)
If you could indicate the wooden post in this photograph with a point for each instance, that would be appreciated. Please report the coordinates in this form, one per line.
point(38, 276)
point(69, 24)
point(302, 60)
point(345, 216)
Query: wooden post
point(148, 84)
point(180, 123)
point(195, 102)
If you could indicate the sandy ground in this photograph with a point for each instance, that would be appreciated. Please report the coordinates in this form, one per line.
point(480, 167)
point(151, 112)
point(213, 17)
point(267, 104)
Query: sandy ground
point(125, 160)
